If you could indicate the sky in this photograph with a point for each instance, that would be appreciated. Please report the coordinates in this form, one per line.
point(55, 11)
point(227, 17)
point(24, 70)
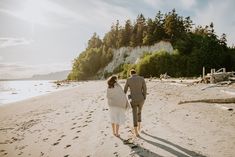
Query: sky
point(43, 36)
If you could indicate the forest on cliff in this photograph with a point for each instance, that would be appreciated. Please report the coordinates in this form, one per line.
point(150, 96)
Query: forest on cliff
point(194, 46)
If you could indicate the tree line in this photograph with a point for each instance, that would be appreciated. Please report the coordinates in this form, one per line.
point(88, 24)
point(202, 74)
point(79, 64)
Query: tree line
point(194, 47)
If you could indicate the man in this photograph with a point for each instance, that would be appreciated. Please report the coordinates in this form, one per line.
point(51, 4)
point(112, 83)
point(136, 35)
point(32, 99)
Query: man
point(138, 91)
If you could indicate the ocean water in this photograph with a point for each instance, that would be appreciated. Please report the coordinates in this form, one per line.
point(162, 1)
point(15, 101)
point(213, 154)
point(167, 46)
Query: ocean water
point(12, 91)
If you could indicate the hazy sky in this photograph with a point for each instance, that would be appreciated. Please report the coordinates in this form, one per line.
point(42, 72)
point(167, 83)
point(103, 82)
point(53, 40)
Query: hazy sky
point(41, 36)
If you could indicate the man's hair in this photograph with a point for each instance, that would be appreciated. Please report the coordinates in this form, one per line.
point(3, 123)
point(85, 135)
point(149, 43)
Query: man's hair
point(133, 71)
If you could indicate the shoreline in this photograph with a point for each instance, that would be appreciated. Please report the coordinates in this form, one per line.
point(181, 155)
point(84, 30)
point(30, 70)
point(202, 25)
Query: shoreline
point(21, 96)
point(33, 97)
point(75, 122)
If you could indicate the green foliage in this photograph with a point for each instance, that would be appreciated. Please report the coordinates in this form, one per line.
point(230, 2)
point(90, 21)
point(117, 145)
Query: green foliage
point(94, 42)
point(126, 70)
point(107, 74)
point(123, 70)
point(156, 64)
point(89, 63)
point(193, 48)
point(204, 51)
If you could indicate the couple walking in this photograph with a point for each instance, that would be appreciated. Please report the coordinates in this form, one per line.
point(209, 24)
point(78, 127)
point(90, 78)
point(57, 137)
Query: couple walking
point(118, 102)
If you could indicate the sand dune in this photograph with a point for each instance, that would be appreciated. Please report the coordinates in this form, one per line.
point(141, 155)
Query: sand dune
point(75, 122)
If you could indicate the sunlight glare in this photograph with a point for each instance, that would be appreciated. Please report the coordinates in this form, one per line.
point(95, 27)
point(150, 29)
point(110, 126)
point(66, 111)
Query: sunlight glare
point(34, 12)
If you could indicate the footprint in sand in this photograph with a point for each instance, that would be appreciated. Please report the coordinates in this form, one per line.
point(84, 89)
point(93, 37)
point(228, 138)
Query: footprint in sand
point(45, 139)
point(74, 123)
point(101, 143)
point(62, 136)
point(14, 139)
point(20, 153)
point(22, 147)
point(42, 154)
point(2, 151)
point(72, 128)
point(75, 137)
point(116, 153)
point(78, 131)
point(84, 125)
point(66, 156)
point(59, 139)
point(56, 143)
point(67, 146)
point(5, 153)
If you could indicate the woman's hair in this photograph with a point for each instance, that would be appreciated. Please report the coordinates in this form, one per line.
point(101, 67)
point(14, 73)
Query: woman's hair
point(111, 81)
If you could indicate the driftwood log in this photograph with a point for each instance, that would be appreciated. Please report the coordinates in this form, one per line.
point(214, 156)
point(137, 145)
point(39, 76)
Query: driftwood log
point(219, 101)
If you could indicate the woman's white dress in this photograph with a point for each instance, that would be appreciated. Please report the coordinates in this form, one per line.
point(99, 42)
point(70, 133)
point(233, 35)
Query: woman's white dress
point(117, 102)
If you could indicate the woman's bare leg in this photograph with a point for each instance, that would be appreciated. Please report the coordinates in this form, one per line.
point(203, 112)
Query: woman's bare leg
point(113, 127)
point(117, 129)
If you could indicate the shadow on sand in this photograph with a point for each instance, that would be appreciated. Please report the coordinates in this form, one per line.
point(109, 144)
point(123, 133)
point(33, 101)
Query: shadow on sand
point(140, 151)
point(143, 152)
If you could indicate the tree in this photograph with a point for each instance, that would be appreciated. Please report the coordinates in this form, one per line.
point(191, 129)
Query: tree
point(94, 42)
point(159, 32)
point(111, 38)
point(223, 40)
point(138, 31)
point(126, 32)
point(174, 26)
point(148, 33)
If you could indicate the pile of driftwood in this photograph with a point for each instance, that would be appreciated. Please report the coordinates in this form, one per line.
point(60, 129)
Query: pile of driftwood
point(164, 76)
point(217, 79)
point(218, 76)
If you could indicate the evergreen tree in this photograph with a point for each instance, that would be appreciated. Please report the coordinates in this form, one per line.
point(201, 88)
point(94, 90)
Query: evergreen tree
point(174, 26)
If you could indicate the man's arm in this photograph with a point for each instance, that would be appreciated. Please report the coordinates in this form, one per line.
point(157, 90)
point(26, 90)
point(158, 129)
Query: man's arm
point(144, 89)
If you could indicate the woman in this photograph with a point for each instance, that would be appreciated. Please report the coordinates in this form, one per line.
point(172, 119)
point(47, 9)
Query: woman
point(117, 102)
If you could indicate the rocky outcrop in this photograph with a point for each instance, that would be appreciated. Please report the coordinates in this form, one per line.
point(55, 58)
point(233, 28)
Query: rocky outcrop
point(132, 55)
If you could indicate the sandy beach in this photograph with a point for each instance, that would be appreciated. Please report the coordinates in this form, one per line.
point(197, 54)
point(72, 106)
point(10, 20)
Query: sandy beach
point(75, 123)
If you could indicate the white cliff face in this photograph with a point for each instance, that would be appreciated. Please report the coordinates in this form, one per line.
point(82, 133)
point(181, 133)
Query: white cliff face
point(132, 55)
